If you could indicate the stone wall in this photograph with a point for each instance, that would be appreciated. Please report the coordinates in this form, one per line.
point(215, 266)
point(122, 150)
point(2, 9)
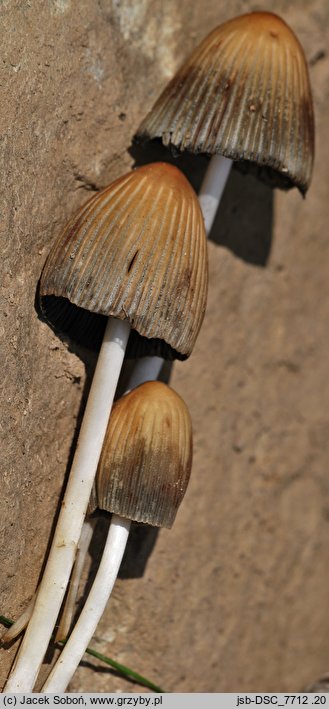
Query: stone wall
point(235, 596)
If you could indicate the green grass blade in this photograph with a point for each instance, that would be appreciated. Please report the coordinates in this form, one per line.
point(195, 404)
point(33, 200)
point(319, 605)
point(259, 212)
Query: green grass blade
point(6, 621)
point(125, 671)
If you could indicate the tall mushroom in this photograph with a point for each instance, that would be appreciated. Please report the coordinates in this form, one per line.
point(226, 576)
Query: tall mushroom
point(136, 252)
point(142, 475)
point(243, 95)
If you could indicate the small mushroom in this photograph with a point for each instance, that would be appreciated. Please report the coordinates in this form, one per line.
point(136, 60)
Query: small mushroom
point(136, 252)
point(244, 94)
point(142, 475)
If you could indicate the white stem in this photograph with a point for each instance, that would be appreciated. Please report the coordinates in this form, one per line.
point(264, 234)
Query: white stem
point(69, 607)
point(63, 550)
point(146, 369)
point(212, 188)
point(93, 609)
point(21, 622)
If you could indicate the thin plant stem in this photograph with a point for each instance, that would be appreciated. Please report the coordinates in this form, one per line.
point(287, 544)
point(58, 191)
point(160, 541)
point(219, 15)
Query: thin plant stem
point(125, 670)
point(16, 627)
point(122, 669)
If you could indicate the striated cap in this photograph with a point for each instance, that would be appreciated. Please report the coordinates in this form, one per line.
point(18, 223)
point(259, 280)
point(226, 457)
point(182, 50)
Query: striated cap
point(244, 93)
point(136, 251)
point(146, 459)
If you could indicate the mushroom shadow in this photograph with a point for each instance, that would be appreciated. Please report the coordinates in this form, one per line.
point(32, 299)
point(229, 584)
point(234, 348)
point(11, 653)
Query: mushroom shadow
point(244, 221)
point(141, 542)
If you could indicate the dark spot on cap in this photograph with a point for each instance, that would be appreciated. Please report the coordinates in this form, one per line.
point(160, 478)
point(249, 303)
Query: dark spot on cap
point(132, 262)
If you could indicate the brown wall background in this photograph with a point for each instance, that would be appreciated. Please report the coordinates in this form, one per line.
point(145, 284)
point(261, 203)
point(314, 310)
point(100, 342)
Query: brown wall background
point(235, 596)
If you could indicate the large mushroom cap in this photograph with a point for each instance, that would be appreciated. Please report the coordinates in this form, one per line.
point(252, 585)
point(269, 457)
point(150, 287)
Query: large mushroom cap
point(136, 251)
point(146, 459)
point(244, 93)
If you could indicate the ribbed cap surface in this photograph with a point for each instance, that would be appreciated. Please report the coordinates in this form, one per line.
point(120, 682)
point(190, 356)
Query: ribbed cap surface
point(137, 251)
point(146, 460)
point(243, 93)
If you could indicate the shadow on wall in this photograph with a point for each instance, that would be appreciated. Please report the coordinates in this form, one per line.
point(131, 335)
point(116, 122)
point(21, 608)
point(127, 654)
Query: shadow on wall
point(141, 542)
point(244, 226)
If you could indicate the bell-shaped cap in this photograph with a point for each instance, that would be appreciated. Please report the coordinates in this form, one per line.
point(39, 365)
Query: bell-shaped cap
point(146, 459)
point(136, 251)
point(244, 93)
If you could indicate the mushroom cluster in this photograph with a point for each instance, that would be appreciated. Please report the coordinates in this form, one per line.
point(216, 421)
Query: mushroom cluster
point(132, 261)
point(130, 270)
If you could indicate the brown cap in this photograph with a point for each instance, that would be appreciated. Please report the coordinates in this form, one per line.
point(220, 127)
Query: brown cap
point(244, 93)
point(146, 459)
point(136, 251)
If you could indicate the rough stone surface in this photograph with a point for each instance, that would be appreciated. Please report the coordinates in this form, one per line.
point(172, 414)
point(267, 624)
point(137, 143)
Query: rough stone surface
point(235, 596)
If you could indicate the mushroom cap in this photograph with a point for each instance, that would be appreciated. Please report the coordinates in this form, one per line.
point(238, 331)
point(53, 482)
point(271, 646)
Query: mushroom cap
point(146, 459)
point(243, 93)
point(136, 251)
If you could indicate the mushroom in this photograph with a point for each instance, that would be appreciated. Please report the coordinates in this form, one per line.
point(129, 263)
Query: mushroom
point(137, 252)
point(142, 475)
point(243, 95)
